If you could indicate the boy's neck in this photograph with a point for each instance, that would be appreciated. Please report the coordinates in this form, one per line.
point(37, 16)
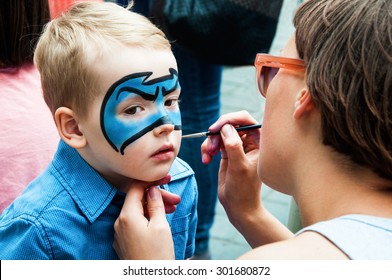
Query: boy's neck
point(125, 187)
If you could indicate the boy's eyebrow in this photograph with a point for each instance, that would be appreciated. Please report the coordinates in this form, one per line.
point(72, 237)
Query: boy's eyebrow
point(170, 90)
point(173, 72)
point(145, 95)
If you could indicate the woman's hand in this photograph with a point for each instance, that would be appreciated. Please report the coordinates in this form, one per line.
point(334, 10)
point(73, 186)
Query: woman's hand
point(213, 144)
point(141, 231)
point(239, 184)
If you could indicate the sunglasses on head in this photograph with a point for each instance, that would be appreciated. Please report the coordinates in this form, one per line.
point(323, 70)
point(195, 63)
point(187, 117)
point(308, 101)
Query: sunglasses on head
point(267, 66)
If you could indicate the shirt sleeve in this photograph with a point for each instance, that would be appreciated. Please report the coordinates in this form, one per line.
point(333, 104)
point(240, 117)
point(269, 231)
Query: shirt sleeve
point(24, 239)
point(190, 248)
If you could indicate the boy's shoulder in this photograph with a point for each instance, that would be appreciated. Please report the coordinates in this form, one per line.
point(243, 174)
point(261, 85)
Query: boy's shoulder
point(180, 169)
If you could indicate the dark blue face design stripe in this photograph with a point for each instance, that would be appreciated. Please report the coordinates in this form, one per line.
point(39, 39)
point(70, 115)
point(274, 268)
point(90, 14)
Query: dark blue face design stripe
point(119, 132)
point(159, 122)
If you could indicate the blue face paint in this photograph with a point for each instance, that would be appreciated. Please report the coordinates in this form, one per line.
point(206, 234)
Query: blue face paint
point(119, 132)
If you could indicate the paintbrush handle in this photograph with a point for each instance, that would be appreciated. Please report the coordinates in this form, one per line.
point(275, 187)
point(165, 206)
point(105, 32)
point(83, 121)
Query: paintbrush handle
point(240, 128)
point(208, 133)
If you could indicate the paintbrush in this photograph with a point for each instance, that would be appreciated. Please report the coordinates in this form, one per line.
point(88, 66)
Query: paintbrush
point(208, 133)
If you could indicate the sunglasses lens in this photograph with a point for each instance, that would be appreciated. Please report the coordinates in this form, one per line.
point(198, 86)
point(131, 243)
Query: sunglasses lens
point(266, 75)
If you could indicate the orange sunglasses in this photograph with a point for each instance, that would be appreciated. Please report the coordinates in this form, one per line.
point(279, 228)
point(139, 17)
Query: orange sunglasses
point(267, 66)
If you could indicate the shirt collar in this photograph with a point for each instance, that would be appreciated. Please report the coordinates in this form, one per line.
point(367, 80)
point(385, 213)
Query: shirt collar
point(88, 189)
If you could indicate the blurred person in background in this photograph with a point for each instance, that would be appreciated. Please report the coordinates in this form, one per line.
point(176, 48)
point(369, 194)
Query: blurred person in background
point(28, 136)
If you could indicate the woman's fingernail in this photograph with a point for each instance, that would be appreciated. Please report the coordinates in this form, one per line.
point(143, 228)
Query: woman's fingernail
point(204, 158)
point(153, 193)
point(214, 142)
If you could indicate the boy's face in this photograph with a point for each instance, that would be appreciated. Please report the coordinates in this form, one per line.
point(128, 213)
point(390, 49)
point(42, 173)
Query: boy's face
point(133, 129)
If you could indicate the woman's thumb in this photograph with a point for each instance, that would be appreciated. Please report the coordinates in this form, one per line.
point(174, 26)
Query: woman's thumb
point(232, 143)
point(155, 206)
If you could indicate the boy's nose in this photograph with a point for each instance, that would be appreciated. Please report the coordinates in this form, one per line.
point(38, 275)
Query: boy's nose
point(163, 129)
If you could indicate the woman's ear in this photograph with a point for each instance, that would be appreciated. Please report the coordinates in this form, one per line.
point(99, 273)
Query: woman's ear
point(68, 128)
point(304, 104)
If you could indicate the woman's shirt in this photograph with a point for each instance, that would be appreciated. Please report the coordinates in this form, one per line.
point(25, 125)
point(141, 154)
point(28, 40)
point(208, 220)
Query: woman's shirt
point(360, 237)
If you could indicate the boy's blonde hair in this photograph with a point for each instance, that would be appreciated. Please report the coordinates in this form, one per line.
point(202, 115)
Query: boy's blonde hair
point(72, 44)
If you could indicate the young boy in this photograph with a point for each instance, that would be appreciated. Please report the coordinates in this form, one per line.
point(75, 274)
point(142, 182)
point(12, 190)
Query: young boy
point(110, 80)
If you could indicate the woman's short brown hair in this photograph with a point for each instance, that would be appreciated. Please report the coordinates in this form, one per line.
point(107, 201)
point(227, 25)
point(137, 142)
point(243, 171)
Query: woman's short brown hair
point(347, 48)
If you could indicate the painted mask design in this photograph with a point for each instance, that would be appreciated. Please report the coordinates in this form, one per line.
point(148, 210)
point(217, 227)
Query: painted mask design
point(119, 132)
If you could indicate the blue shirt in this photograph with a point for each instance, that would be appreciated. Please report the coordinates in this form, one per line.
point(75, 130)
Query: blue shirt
point(68, 212)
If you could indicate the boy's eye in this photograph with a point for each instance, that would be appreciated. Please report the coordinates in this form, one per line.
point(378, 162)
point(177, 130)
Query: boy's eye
point(171, 102)
point(133, 110)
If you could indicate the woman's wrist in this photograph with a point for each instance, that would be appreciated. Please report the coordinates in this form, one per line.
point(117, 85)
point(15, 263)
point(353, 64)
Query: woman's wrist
point(259, 226)
point(247, 221)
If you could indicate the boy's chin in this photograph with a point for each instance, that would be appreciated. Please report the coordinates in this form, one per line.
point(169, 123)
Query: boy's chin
point(162, 180)
point(153, 174)
point(158, 177)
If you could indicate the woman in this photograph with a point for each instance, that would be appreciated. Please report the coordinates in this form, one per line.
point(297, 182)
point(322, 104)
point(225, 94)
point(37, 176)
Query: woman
point(325, 140)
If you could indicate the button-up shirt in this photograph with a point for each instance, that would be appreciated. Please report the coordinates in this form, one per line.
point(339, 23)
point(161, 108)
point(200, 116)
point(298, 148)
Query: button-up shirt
point(68, 212)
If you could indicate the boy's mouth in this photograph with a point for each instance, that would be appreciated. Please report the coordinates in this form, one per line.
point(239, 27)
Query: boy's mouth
point(164, 153)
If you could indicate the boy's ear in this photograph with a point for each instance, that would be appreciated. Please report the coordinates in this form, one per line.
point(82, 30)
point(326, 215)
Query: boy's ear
point(68, 128)
point(304, 104)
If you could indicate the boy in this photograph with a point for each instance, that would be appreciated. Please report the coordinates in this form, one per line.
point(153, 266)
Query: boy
point(110, 80)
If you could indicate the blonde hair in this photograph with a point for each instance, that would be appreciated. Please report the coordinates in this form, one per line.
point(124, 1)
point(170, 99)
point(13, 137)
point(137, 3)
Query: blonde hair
point(70, 45)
